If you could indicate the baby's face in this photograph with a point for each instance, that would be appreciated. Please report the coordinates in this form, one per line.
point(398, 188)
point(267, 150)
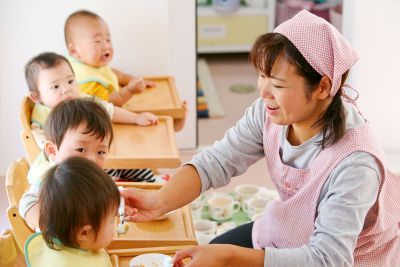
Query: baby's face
point(104, 235)
point(91, 43)
point(106, 231)
point(77, 143)
point(57, 84)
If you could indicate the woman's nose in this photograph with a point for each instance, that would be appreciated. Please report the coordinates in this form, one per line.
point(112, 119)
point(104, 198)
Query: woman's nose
point(265, 92)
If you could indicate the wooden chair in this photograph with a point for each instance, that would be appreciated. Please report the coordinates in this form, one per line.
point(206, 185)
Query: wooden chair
point(16, 185)
point(30, 146)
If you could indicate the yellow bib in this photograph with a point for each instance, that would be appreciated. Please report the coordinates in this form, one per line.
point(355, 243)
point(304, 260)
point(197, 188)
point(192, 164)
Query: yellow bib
point(100, 82)
point(39, 115)
point(37, 253)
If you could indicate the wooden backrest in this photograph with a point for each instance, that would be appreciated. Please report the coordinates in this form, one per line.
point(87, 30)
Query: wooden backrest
point(28, 141)
point(16, 185)
point(17, 181)
point(25, 112)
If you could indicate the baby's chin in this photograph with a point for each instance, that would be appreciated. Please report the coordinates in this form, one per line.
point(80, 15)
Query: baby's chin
point(104, 60)
point(100, 64)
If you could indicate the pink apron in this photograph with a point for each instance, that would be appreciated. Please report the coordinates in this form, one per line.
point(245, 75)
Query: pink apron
point(299, 189)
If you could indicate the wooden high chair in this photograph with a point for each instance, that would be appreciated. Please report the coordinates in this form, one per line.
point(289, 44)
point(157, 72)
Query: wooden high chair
point(16, 185)
point(30, 146)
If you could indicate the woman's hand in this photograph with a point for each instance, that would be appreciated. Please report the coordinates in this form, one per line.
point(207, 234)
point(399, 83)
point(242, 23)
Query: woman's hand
point(220, 255)
point(141, 205)
point(216, 255)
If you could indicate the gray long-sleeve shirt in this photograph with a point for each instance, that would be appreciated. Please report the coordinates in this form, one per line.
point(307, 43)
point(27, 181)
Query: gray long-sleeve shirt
point(344, 201)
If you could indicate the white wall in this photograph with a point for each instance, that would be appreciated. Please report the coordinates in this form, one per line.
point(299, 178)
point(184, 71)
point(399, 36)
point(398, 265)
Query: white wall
point(372, 26)
point(146, 41)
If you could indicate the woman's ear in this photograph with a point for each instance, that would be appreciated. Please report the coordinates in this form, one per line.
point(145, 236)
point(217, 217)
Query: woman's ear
point(324, 88)
point(50, 149)
point(84, 234)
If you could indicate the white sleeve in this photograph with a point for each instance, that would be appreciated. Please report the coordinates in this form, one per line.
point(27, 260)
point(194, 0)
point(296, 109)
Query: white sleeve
point(29, 199)
point(109, 107)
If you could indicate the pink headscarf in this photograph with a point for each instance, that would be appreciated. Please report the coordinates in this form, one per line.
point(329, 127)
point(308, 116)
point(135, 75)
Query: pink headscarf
point(321, 45)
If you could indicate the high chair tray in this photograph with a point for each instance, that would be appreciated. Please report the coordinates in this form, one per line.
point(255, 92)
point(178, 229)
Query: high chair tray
point(176, 229)
point(136, 146)
point(163, 99)
point(122, 257)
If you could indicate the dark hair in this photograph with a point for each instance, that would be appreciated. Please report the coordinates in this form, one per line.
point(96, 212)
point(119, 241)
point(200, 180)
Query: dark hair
point(40, 62)
point(271, 46)
point(75, 193)
point(70, 114)
point(73, 18)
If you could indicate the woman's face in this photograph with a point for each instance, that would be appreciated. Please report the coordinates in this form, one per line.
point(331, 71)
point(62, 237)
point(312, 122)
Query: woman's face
point(284, 95)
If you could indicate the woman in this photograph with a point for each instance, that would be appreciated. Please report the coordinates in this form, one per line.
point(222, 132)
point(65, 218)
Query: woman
point(337, 201)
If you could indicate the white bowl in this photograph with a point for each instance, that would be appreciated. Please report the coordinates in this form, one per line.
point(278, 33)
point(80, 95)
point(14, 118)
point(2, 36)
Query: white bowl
point(151, 259)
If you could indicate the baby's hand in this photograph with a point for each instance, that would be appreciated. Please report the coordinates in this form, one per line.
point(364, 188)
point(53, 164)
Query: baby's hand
point(136, 85)
point(146, 118)
point(150, 84)
point(185, 106)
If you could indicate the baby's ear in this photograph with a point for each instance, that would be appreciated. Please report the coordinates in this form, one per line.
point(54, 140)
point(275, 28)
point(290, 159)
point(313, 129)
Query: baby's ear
point(72, 50)
point(34, 96)
point(84, 233)
point(50, 149)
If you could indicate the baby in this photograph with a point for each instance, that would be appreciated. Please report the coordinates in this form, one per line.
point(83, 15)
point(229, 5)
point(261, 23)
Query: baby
point(88, 40)
point(51, 80)
point(78, 204)
point(89, 44)
point(76, 127)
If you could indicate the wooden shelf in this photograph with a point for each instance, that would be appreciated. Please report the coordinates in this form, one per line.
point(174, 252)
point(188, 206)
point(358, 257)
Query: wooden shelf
point(231, 32)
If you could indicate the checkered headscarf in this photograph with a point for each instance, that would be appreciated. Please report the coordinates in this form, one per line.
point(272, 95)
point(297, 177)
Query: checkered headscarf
point(324, 48)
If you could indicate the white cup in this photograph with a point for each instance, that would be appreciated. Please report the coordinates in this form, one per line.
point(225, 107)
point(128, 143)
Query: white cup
point(256, 216)
point(196, 207)
point(196, 214)
point(203, 239)
point(246, 191)
point(254, 206)
point(205, 227)
point(197, 203)
point(268, 194)
point(222, 207)
point(225, 227)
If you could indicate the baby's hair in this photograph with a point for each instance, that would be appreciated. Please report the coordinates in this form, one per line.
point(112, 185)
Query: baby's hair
point(40, 62)
point(75, 193)
point(70, 114)
point(73, 18)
